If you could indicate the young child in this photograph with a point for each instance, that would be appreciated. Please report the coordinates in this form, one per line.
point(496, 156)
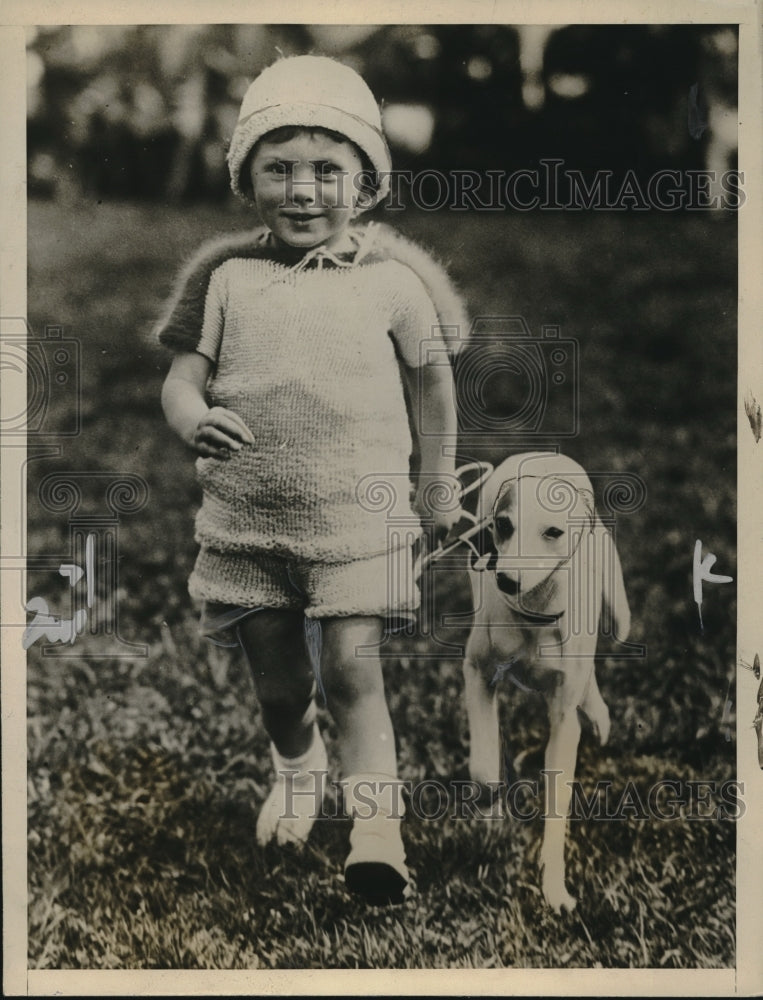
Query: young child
point(297, 376)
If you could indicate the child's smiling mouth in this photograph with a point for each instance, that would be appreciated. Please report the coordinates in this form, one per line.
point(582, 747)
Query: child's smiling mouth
point(303, 217)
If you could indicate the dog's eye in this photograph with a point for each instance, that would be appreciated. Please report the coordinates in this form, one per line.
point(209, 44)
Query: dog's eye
point(504, 527)
point(553, 533)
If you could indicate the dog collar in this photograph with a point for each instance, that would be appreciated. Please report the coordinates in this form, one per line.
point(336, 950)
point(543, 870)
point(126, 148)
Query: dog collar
point(535, 617)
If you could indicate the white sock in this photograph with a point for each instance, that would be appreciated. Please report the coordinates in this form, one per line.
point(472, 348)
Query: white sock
point(288, 813)
point(375, 866)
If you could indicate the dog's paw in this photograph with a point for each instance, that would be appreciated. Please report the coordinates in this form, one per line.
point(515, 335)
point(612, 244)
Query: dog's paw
point(484, 772)
point(554, 886)
point(557, 897)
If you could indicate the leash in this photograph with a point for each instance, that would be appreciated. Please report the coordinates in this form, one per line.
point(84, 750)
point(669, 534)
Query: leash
point(475, 527)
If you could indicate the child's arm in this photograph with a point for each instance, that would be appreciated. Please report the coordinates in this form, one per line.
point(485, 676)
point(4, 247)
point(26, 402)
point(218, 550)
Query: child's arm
point(213, 432)
point(430, 392)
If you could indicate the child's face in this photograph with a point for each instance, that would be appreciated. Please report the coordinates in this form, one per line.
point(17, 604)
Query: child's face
point(304, 188)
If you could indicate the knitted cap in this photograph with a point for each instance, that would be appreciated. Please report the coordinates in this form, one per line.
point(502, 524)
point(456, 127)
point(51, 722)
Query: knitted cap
point(316, 92)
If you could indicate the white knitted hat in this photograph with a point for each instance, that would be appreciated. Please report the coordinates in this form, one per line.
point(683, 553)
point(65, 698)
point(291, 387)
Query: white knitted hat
point(316, 92)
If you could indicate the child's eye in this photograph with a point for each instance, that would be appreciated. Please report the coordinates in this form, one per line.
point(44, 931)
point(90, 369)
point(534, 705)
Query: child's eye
point(279, 167)
point(553, 533)
point(326, 168)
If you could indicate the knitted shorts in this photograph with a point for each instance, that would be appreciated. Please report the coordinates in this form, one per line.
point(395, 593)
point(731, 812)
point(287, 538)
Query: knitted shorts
point(381, 585)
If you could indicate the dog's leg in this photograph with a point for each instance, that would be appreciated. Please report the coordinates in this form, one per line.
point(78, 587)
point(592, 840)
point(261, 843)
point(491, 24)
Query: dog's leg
point(561, 756)
point(482, 713)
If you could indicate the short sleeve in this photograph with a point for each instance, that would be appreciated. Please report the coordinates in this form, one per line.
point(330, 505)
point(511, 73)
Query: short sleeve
point(179, 327)
point(214, 318)
point(415, 326)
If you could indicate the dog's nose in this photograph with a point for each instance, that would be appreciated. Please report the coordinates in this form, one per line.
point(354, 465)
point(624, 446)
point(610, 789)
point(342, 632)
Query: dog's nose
point(507, 584)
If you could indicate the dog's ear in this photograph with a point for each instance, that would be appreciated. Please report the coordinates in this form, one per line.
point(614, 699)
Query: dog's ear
point(587, 498)
point(616, 615)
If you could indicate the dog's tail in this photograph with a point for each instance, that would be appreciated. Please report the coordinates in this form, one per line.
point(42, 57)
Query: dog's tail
point(616, 615)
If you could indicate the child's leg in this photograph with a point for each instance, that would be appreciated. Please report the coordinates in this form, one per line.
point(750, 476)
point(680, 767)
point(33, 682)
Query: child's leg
point(354, 686)
point(283, 678)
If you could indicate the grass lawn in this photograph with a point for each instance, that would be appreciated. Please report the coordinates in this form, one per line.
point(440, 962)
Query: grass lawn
point(145, 773)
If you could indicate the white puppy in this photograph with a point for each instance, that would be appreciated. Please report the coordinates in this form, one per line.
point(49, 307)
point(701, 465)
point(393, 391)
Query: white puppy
point(538, 596)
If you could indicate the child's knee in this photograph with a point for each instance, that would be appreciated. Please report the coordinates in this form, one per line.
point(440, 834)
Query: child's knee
point(350, 666)
point(351, 681)
point(284, 698)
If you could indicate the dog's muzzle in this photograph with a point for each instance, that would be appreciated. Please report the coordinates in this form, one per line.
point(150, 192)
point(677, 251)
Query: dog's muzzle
point(539, 596)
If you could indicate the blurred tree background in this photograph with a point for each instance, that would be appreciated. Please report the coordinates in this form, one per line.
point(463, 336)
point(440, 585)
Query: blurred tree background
point(147, 111)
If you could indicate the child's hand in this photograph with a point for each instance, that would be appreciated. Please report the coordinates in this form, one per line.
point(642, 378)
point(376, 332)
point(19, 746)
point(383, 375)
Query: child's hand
point(219, 433)
point(436, 503)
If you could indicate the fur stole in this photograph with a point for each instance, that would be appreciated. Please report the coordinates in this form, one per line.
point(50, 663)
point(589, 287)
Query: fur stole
point(180, 327)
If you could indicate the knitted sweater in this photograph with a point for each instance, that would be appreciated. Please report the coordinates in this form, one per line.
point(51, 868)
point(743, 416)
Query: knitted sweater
point(309, 358)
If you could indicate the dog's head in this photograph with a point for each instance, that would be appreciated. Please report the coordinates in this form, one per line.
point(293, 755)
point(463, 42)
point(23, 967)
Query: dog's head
point(539, 515)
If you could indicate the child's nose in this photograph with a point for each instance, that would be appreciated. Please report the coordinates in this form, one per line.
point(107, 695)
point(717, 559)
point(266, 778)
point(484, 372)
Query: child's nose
point(303, 185)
